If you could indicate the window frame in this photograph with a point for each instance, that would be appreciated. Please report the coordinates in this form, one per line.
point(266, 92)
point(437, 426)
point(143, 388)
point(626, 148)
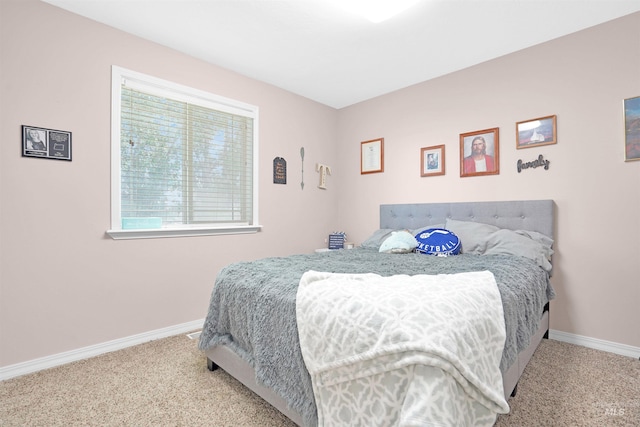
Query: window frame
point(184, 93)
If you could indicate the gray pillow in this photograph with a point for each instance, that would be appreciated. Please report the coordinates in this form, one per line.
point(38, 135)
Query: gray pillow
point(473, 235)
point(417, 231)
point(375, 240)
point(509, 242)
point(478, 238)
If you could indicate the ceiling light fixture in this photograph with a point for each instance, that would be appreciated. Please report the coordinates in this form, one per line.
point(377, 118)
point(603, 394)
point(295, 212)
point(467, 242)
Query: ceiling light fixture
point(376, 10)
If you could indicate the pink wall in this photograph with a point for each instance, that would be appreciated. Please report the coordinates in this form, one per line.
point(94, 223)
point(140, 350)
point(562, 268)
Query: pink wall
point(64, 285)
point(583, 79)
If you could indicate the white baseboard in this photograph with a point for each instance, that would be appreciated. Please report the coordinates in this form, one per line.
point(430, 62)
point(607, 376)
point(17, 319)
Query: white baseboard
point(595, 343)
point(47, 362)
point(52, 361)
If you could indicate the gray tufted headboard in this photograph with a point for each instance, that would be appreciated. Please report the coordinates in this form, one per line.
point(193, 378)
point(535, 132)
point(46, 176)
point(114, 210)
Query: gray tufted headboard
point(532, 215)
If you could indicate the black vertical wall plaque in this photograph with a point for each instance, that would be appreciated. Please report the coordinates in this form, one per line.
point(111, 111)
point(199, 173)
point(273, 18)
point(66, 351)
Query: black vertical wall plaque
point(279, 171)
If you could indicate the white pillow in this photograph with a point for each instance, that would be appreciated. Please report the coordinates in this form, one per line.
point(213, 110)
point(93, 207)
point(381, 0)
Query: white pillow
point(400, 242)
point(375, 240)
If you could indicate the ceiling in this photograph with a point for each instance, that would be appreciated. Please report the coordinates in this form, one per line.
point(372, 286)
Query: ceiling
point(317, 50)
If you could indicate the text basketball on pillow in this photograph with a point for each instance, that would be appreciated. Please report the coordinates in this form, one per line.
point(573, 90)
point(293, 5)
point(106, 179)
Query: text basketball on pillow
point(438, 241)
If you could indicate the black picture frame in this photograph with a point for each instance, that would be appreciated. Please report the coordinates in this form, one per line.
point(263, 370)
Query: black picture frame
point(46, 143)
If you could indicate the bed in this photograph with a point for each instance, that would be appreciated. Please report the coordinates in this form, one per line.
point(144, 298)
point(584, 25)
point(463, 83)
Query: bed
point(251, 331)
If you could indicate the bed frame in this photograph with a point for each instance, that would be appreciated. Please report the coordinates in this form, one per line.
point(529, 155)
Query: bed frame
point(532, 215)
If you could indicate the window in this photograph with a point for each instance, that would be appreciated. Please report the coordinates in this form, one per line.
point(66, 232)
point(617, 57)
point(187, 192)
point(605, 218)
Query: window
point(183, 160)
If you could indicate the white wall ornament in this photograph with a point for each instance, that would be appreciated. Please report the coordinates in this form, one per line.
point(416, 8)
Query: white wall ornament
point(539, 162)
point(324, 170)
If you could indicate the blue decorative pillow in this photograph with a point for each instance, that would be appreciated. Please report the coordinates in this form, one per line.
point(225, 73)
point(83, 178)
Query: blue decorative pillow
point(438, 241)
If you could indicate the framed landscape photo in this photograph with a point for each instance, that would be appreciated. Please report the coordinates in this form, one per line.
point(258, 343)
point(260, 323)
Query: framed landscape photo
point(372, 156)
point(632, 129)
point(480, 153)
point(432, 160)
point(46, 143)
point(536, 132)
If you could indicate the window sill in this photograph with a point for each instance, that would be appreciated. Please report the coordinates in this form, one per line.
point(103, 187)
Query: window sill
point(181, 232)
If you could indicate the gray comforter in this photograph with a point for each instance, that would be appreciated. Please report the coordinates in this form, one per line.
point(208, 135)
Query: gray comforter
point(252, 308)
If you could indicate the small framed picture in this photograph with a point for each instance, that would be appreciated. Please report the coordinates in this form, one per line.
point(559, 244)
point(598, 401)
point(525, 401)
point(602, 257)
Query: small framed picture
point(432, 160)
point(632, 129)
point(480, 153)
point(372, 156)
point(46, 143)
point(536, 132)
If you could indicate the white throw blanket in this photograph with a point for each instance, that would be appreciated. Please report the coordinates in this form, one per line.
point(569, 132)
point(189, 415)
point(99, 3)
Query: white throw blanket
point(403, 350)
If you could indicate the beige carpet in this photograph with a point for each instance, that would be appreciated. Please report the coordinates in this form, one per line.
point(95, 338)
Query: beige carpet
point(166, 383)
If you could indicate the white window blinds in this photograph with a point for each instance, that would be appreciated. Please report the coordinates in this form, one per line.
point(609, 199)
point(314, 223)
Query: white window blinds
point(185, 160)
